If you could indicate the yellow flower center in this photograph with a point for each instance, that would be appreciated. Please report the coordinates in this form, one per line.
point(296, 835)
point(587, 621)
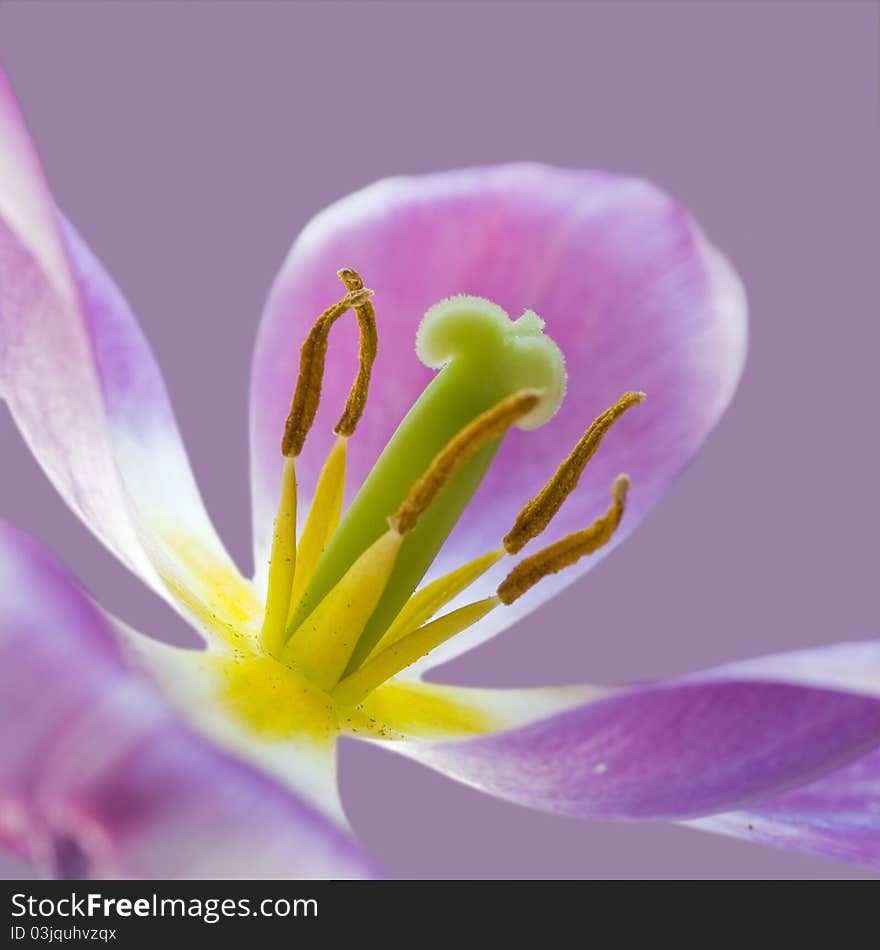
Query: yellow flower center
point(344, 613)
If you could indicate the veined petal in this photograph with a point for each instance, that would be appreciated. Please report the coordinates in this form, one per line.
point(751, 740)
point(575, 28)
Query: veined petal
point(99, 777)
point(836, 817)
point(84, 389)
point(700, 745)
point(628, 286)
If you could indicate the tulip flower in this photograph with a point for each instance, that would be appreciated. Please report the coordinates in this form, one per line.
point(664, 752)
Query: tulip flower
point(467, 389)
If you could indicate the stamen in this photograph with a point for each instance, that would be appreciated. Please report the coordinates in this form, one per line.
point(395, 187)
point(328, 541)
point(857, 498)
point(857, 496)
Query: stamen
point(306, 397)
point(568, 550)
point(322, 645)
point(490, 425)
point(406, 651)
point(368, 347)
point(322, 521)
point(538, 513)
point(312, 356)
point(426, 602)
point(398, 650)
point(282, 563)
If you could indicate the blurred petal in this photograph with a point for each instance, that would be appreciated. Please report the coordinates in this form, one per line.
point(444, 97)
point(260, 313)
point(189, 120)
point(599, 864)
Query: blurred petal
point(250, 705)
point(628, 286)
point(100, 778)
point(84, 390)
point(836, 817)
point(705, 744)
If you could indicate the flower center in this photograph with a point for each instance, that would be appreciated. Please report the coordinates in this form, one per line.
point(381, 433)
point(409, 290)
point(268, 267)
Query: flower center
point(343, 608)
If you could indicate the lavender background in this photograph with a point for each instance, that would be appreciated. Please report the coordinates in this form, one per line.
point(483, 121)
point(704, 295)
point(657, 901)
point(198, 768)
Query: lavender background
point(191, 141)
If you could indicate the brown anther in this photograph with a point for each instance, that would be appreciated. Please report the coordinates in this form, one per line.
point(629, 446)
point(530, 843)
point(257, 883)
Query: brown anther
point(489, 425)
point(368, 347)
point(568, 550)
point(312, 356)
point(538, 513)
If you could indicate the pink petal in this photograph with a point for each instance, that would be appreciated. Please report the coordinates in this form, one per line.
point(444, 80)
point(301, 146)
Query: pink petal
point(628, 286)
point(80, 380)
point(99, 778)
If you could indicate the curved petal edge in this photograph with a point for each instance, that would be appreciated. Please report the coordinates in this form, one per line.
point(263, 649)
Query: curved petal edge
point(99, 777)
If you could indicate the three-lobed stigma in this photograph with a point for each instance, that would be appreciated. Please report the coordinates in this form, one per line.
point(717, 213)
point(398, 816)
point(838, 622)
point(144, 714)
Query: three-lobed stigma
point(343, 606)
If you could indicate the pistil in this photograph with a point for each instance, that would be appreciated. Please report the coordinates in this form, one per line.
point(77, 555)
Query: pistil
point(340, 606)
point(323, 644)
point(487, 427)
point(483, 357)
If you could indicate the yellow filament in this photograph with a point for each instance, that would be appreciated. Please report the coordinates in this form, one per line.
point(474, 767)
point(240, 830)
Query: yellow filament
point(426, 602)
point(322, 645)
point(312, 356)
point(407, 650)
point(568, 550)
point(490, 425)
point(322, 521)
point(282, 564)
point(537, 514)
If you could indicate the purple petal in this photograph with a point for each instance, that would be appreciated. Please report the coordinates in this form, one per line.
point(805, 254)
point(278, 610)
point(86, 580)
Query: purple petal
point(100, 778)
point(82, 385)
point(836, 817)
point(673, 750)
point(628, 286)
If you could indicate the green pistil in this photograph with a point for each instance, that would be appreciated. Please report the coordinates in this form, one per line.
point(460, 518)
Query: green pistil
point(485, 357)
